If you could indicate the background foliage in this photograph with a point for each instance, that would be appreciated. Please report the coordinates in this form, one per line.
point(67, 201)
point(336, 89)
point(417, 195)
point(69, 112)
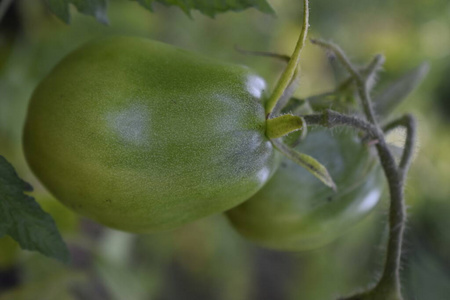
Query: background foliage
point(207, 259)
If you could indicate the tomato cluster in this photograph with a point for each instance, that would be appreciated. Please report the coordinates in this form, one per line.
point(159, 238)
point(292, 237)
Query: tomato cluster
point(295, 211)
point(144, 137)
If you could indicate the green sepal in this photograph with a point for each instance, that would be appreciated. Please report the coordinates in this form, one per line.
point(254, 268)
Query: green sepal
point(307, 162)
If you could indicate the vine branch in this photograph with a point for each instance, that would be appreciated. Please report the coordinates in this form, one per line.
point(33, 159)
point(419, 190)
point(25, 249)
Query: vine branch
point(388, 287)
point(332, 119)
point(409, 123)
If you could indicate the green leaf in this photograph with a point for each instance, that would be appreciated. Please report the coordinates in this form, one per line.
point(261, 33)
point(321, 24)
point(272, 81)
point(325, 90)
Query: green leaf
point(95, 8)
point(22, 218)
point(210, 7)
point(396, 92)
point(307, 162)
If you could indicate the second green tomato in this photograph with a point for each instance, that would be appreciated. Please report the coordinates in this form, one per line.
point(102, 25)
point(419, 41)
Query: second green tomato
point(295, 211)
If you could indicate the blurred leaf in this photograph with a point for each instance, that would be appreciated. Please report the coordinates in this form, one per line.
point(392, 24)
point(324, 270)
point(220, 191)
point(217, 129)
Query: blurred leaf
point(96, 8)
point(211, 8)
point(427, 276)
point(396, 92)
point(22, 218)
point(57, 286)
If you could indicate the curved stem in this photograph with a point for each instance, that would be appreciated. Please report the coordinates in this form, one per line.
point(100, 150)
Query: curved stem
point(389, 282)
point(397, 213)
point(389, 285)
point(291, 69)
point(332, 119)
point(409, 122)
point(287, 94)
point(411, 134)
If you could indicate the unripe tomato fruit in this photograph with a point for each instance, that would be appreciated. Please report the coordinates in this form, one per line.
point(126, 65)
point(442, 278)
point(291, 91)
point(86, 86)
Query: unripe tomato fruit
point(295, 211)
point(142, 136)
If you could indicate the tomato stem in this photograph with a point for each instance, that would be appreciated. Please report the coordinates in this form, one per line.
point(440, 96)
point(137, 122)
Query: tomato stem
point(283, 125)
point(388, 287)
point(409, 122)
point(289, 76)
point(332, 119)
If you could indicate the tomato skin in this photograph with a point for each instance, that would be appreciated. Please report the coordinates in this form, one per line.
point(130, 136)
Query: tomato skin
point(294, 211)
point(143, 137)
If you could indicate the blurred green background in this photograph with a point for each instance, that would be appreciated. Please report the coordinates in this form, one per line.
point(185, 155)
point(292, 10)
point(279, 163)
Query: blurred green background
point(207, 259)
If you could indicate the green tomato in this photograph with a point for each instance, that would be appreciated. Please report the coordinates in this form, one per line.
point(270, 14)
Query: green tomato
point(143, 137)
point(294, 211)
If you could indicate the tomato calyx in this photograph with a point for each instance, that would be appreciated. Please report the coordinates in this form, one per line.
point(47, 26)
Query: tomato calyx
point(283, 125)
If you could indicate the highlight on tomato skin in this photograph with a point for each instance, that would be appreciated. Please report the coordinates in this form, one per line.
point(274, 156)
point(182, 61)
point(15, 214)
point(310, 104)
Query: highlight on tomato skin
point(143, 137)
point(296, 212)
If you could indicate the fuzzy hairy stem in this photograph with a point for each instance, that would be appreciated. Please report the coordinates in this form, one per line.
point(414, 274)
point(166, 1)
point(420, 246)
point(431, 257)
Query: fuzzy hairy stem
point(389, 283)
point(409, 123)
point(388, 286)
point(332, 119)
